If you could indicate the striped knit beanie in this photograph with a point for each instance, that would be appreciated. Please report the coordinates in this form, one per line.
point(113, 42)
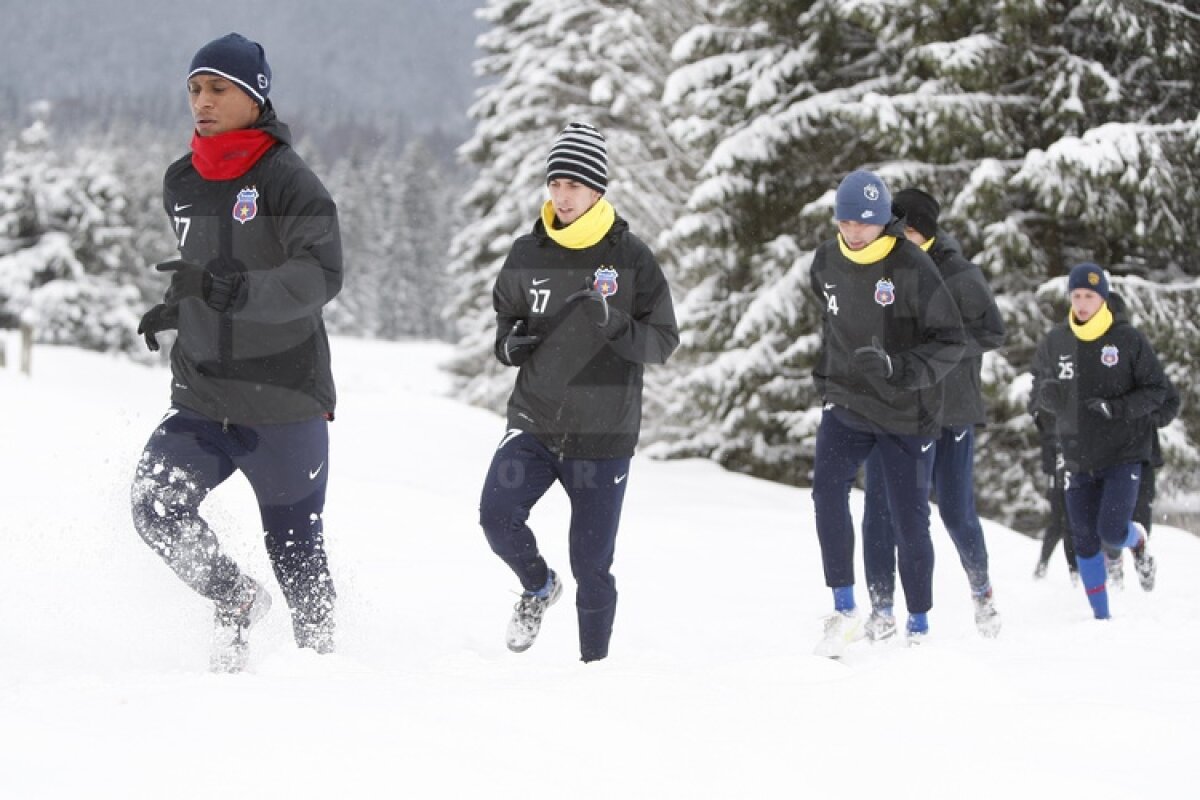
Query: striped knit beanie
point(579, 154)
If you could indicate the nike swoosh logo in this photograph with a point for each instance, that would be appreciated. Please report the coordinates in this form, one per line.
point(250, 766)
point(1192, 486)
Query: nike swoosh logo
point(925, 447)
point(831, 286)
point(1064, 358)
point(539, 282)
point(312, 475)
point(179, 208)
point(620, 478)
point(961, 436)
point(511, 434)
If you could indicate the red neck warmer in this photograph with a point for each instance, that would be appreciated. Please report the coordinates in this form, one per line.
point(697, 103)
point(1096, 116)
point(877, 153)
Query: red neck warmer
point(229, 155)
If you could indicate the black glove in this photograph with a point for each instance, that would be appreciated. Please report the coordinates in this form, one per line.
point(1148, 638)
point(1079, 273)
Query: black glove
point(595, 305)
point(158, 319)
point(518, 346)
point(1101, 406)
point(187, 280)
point(1051, 397)
point(191, 280)
point(873, 361)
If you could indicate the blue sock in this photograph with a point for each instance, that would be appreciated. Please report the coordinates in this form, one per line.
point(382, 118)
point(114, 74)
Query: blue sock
point(843, 598)
point(1093, 574)
point(918, 623)
point(1133, 537)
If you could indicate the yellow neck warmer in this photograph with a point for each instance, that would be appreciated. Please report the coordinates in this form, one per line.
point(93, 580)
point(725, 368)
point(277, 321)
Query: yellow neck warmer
point(1095, 327)
point(875, 251)
point(928, 244)
point(585, 231)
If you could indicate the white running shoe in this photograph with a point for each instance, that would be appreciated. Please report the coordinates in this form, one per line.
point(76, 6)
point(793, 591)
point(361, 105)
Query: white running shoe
point(232, 621)
point(526, 621)
point(881, 625)
point(1116, 570)
point(987, 618)
point(841, 628)
point(1143, 562)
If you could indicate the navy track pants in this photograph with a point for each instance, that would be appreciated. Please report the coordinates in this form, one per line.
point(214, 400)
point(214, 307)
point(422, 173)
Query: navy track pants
point(521, 472)
point(844, 442)
point(287, 465)
point(954, 488)
point(1100, 506)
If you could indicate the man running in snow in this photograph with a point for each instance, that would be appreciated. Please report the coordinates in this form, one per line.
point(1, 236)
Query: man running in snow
point(252, 389)
point(890, 334)
point(963, 410)
point(581, 307)
point(1101, 380)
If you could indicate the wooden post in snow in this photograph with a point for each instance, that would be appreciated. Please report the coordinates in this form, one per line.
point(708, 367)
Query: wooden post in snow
point(26, 348)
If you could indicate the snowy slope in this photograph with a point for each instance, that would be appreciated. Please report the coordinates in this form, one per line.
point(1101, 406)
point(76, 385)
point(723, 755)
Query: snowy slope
point(710, 691)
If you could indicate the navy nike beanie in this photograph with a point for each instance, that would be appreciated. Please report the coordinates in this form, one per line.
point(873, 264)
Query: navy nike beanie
point(863, 197)
point(236, 58)
point(1088, 276)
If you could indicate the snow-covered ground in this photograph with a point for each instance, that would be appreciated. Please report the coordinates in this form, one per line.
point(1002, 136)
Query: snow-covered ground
point(711, 690)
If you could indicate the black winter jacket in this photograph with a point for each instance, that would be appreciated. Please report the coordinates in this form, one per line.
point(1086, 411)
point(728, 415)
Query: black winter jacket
point(1046, 425)
point(1121, 367)
point(902, 301)
point(266, 359)
point(982, 323)
point(580, 393)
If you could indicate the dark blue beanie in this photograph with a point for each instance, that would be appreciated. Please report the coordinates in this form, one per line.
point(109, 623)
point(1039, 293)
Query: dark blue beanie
point(863, 197)
point(236, 58)
point(1088, 276)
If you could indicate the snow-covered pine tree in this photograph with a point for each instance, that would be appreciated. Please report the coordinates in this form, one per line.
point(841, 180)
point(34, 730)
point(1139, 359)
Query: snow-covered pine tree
point(1109, 172)
point(65, 244)
point(424, 206)
point(363, 184)
point(550, 62)
point(394, 211)
point(1005, 111)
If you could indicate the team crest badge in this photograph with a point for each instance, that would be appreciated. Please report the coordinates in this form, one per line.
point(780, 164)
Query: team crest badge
point(246, 207)
point(885, 292)
point(606, 281)
point(1109, 356)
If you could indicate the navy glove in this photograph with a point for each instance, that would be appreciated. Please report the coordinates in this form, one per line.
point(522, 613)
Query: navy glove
point(1101, 406)
point(158, 319)
point(517, 346)
point(873, 361)
point(595, 305)
point(192, 280)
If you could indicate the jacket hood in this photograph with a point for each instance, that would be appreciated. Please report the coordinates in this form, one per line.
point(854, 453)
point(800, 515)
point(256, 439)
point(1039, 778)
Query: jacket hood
point(894, 227)
point(270, 123)
point(1116, 304)
point(945, 246)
